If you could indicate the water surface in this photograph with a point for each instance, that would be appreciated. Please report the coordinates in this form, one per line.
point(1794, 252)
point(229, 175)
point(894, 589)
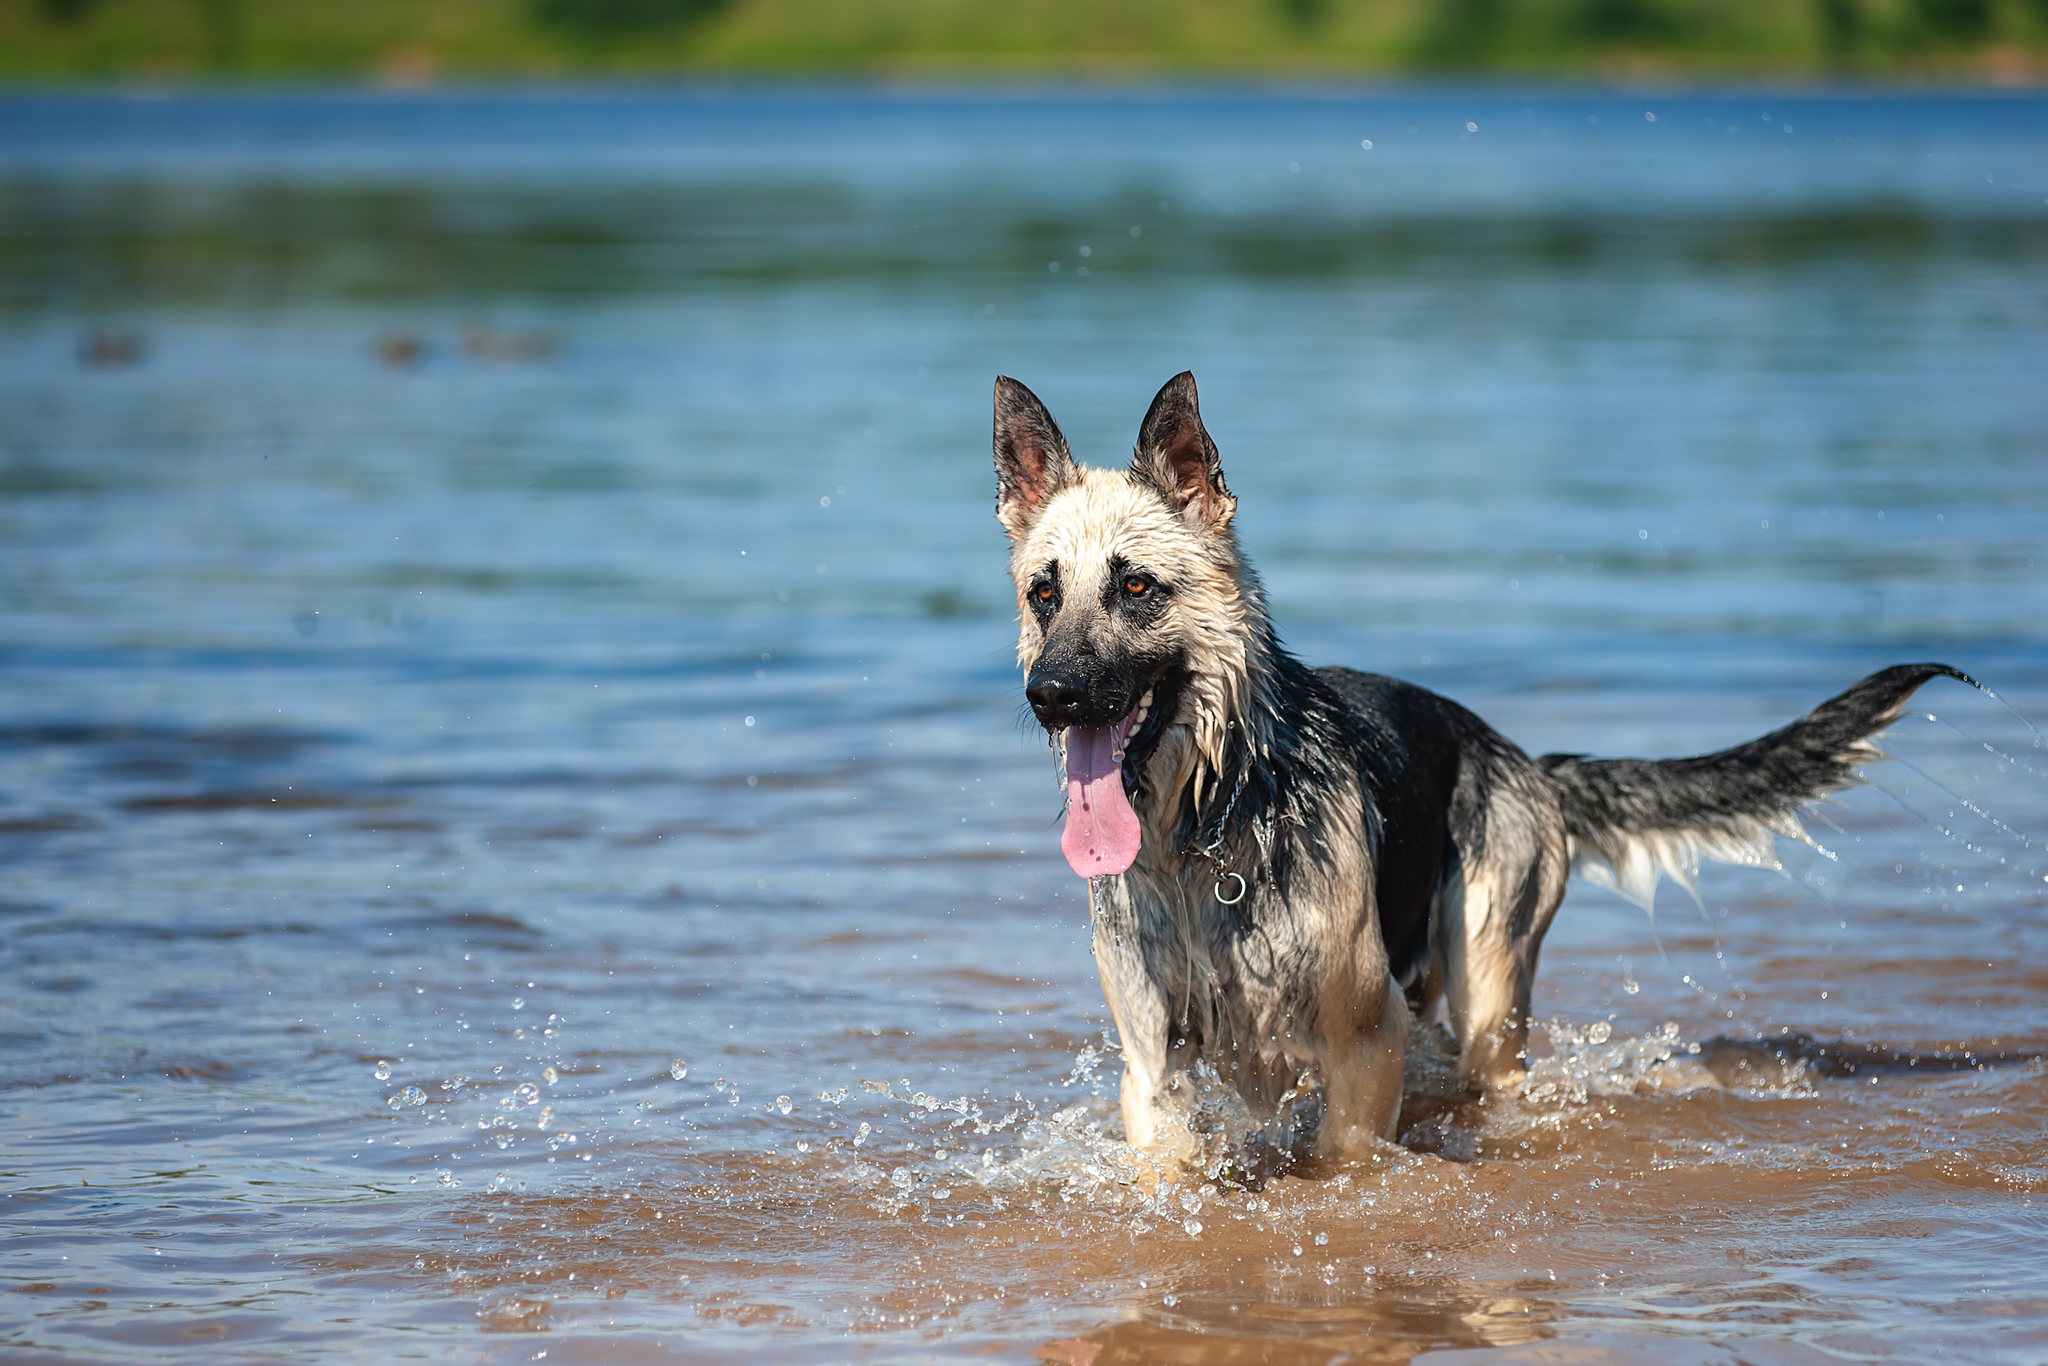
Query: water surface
point(518, 832)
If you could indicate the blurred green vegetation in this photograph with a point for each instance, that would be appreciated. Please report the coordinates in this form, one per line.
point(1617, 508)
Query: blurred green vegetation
point(414, 41)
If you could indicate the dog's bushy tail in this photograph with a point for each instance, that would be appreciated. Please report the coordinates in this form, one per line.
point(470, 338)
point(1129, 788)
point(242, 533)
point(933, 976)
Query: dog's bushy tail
point(1631, 820)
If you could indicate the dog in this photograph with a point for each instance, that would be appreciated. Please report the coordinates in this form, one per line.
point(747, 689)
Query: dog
point(1288, 865)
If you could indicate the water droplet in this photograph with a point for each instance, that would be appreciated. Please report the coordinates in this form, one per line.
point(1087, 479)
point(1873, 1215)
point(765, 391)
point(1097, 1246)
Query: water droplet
point(1297, 1249)
point(1194, 1227)
point(862, 1136)
point(412, 1095)
point(447, 1178)
point(1631, 985)
point(1365, 143)
point(679, 1069)
point(547, 1115)
point(1322, 1240)
point(782, 1105)
point(1600, 1032)
point(802, 1146)
point(519, 1003)
point(550, 1075)
point(526, 1093)
point(383, 1071)
point(1169, 1299)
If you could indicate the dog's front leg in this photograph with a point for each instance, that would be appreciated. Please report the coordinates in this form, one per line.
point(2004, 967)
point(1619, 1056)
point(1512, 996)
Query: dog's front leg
point(1157, 1091)
point(1363, 1044)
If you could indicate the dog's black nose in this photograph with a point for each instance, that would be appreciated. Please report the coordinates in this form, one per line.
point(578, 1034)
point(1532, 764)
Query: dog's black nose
point(1056, 695)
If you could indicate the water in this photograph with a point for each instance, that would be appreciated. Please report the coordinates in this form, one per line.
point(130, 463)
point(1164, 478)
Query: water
point(518, 832)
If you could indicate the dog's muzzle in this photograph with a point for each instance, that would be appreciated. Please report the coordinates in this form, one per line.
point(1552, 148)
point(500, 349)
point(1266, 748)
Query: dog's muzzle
point(1060, 695)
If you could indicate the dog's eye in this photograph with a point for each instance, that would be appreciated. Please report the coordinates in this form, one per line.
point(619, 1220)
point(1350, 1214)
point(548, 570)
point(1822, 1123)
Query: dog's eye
point(1136, 585)
point(1043, 593)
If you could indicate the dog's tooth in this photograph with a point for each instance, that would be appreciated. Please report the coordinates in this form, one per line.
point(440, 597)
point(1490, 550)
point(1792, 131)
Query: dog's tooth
point(1145, 702)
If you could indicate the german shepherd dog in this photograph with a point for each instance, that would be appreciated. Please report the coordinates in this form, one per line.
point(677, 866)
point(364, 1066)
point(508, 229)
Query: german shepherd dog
point(1289, 864)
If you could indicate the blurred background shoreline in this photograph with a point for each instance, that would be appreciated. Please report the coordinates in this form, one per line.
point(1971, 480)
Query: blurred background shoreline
point(101, 42)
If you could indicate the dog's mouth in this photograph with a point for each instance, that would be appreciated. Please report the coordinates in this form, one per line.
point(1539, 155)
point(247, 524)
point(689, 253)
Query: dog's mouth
point(1102, 833)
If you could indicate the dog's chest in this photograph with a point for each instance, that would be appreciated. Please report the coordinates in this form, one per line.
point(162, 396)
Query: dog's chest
point(1226, 968)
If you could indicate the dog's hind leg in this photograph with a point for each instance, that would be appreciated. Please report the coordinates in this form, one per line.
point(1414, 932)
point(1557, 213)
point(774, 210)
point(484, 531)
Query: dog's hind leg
point(1495, 906)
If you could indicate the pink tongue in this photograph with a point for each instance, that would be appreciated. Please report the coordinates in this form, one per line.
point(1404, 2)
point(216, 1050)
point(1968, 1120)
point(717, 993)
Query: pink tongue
point(1102, 831)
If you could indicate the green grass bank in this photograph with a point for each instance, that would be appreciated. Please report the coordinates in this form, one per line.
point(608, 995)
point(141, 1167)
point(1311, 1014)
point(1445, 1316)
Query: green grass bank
point(418, 41)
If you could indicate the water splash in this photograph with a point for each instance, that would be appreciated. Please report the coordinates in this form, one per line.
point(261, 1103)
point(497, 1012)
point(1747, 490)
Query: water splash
point(1590, 1061)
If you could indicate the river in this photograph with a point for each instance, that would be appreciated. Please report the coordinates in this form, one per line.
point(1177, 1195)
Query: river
point(519, 835)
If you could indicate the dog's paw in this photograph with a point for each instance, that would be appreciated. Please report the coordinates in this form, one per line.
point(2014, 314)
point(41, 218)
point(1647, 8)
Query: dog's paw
point(1149, 1173)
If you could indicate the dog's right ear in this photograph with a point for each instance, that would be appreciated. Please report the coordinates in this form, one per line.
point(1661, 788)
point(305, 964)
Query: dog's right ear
point(1032, 462)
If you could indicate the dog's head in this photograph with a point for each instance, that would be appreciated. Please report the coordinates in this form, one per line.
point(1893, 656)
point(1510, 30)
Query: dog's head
point(1135, 612)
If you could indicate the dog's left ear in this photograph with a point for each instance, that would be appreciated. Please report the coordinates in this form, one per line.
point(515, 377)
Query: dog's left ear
point(1176, 456)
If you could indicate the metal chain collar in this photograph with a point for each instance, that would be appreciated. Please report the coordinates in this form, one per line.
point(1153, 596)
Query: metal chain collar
point(1212, 852)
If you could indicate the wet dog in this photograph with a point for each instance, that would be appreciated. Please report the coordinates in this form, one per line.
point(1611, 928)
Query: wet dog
point(1288, 864)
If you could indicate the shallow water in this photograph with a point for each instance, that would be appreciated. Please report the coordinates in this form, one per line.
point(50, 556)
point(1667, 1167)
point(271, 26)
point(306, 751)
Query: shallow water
point(518, 835)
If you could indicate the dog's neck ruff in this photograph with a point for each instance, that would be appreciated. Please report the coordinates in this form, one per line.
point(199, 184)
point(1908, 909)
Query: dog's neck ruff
point(1220, 795)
